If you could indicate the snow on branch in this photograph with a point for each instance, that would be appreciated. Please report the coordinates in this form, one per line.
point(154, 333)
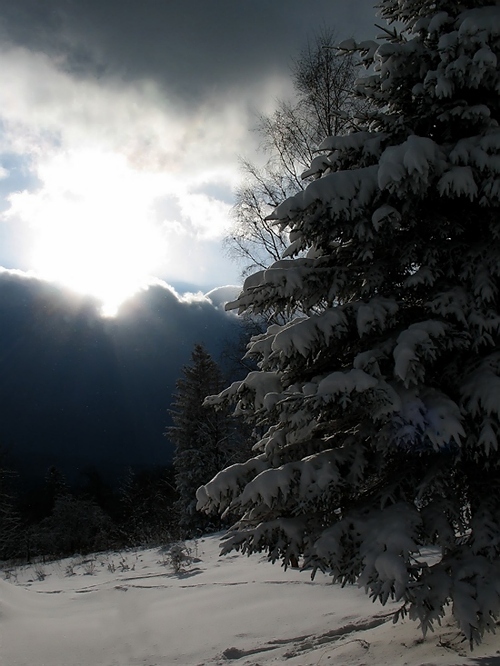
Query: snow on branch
point(220, 492)
point(426, 419)
point(336, 191)
point(303, 334)
point(481, 388)
point(409, 166)
point(458, 181)
point(368, 145)
point(414, 344)
point(287, 535)
point(374, 314)
point(345, 382)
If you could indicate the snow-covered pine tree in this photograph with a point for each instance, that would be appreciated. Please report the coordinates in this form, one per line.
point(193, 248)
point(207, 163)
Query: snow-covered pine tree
point(380, 399)
point(201, 436)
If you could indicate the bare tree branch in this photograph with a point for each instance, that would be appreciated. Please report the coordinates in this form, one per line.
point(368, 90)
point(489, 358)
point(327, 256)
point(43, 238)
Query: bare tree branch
point(325, 104)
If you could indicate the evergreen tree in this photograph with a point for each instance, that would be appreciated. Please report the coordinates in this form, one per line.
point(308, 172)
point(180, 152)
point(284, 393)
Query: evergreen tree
point(62, 523)
point(93, 486)
point(381, 396)
point(56, 486)
point(147, 499)
point(76, 525)
point(202, 437)
point(10, 519)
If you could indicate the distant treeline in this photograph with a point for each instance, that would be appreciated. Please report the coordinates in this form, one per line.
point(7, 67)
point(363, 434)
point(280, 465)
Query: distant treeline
point(54, 519)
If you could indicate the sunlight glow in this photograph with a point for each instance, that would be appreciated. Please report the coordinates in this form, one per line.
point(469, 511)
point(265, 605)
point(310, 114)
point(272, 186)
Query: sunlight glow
point(93, 225)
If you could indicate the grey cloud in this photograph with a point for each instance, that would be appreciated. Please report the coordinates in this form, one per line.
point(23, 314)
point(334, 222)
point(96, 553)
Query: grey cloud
point(193, 48)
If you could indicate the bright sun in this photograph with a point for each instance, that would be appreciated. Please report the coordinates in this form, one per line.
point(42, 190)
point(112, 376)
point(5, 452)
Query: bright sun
point(93, 225)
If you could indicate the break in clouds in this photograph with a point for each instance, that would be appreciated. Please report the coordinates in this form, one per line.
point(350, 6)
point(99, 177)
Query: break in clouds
point(131, 117)
point(124, 154)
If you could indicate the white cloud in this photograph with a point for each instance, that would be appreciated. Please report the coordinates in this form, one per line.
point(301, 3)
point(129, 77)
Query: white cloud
point(222, 295)
point(209, 217)
point(45, 108)
point(105, 153)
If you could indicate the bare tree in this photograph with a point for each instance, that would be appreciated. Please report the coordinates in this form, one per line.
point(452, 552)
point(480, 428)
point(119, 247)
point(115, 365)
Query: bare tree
point(324, 105)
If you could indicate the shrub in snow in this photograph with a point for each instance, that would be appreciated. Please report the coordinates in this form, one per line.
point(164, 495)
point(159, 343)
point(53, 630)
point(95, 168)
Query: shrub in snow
point(380, 399)
point(39, 572)
point(179, 557)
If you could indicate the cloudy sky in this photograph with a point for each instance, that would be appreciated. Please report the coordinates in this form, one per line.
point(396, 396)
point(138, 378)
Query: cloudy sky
point(121, 124)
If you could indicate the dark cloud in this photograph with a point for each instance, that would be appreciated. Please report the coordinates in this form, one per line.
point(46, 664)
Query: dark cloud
point(193, 47)
point(79, 390)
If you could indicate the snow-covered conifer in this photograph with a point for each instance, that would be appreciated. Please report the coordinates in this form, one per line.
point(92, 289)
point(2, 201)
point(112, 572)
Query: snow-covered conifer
point(380, 399)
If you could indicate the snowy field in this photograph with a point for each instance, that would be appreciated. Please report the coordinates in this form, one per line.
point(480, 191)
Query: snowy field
point(131, 609)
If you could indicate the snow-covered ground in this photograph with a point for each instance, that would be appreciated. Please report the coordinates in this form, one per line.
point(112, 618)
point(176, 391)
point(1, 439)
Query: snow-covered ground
point(131, 609)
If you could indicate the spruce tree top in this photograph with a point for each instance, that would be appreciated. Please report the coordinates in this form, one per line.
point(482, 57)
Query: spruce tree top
point(380, 398)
